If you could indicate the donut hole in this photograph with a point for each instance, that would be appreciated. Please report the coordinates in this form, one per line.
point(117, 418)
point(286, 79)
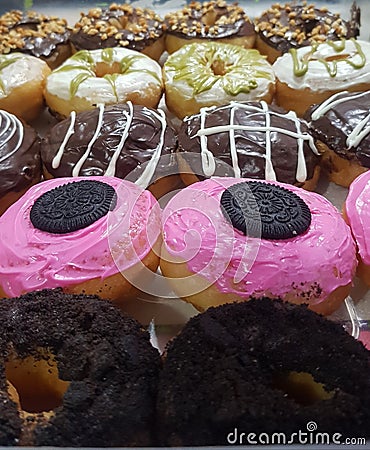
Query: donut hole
point(210, 18)
point(340, 57)
point(34, 383)
point(219, 67)
point(102, 68)
point(301, 387)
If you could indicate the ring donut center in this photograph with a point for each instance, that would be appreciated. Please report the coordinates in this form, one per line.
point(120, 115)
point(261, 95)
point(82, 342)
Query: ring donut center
point(102, 68)
point(34, 384)
point(219, 67)
point(301, 387)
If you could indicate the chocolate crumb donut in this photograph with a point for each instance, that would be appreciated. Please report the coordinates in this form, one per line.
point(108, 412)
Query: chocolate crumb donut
point(45, 37)
point(79, 373)
point(120, 25)
point(249, 368)
point(127, 141)
point(248, 140)
point(214, 20)
point(20, 162)
point(294, 25)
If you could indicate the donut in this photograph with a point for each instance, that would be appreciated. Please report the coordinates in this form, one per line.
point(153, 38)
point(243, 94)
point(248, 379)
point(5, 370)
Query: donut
point(248, 140)
point(356, 212)
point(106, 76)
point(20, 162)
point(127, 141)
point(91, 235)
point(22, 80)
point(314, 73)
point(291, 25)
point(230, 239)
point(213, 20)
point(341, 126)
point(260, 380)
point(35, 34)
point(213, 74)
point(120, 25)
point(75, 372)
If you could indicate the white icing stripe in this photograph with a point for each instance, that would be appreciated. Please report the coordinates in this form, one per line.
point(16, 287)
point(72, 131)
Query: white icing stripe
point(358, 133)
point(59, 155)
point(80, 162)
point(333, 101)
point(203, 132)
point(7, 130)
point(149, 170)
point(233, 150)
point(111, 169)
point(208, 160)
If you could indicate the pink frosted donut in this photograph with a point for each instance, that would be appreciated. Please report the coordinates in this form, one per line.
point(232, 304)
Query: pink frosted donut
point(209, 262)
point(357, 214)
point(92, 235)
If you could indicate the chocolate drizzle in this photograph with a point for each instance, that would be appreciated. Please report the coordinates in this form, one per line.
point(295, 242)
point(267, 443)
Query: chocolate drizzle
point(265, 210)
point(72, 206)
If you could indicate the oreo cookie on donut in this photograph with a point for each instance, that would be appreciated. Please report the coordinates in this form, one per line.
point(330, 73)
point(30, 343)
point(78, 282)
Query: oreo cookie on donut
point(230, 239)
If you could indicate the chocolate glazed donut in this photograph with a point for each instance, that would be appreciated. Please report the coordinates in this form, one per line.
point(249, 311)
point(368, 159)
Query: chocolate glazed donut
point(35, 34)
point(248, 140)
point(74, 372)
point(292, 25)
point(20, 162)
point(250, 368)
point(126, 141)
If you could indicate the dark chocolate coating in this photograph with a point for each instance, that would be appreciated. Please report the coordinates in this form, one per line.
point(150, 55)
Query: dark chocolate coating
point(238, 25)
point(107, 358)
point(300, 17)
point(334, 127)
point(143, 138)
point(221, 373)
point(127, 19)
point(45, 33)
point(250, 145)
point(21, 168)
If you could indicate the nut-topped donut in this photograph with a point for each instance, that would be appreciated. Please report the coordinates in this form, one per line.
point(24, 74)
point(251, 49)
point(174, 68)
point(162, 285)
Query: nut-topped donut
point(93, 235)
point(74, 372)
point(124, 140)
point(211, 20)
point(315, 72)
point(20, 163)
point(36, 34)
point(230, 239)
point(341, 125)
point(249, 140)
point(120, 25)
point(294, 25)
point(213, 74)
point(104, 76)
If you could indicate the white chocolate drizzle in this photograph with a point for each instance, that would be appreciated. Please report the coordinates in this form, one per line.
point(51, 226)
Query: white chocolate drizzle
point(360, 131)
point(9, 125)
point(149, 170)
point(208, 159)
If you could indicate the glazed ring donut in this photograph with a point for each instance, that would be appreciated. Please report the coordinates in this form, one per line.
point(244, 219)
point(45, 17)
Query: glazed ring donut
point(209, 21)
point(314, 73)
point(22, 81)
point(213, 74)
point(75, 372)
point(107, 76)
point(45, 37)
point(91, 235)
point(20, 162)
point(292, 25)
point(257, 373)
point(120, 25)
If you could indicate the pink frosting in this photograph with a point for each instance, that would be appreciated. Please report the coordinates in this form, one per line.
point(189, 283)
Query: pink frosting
point(322, 258)
point(32, 259)
point(358, 212)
